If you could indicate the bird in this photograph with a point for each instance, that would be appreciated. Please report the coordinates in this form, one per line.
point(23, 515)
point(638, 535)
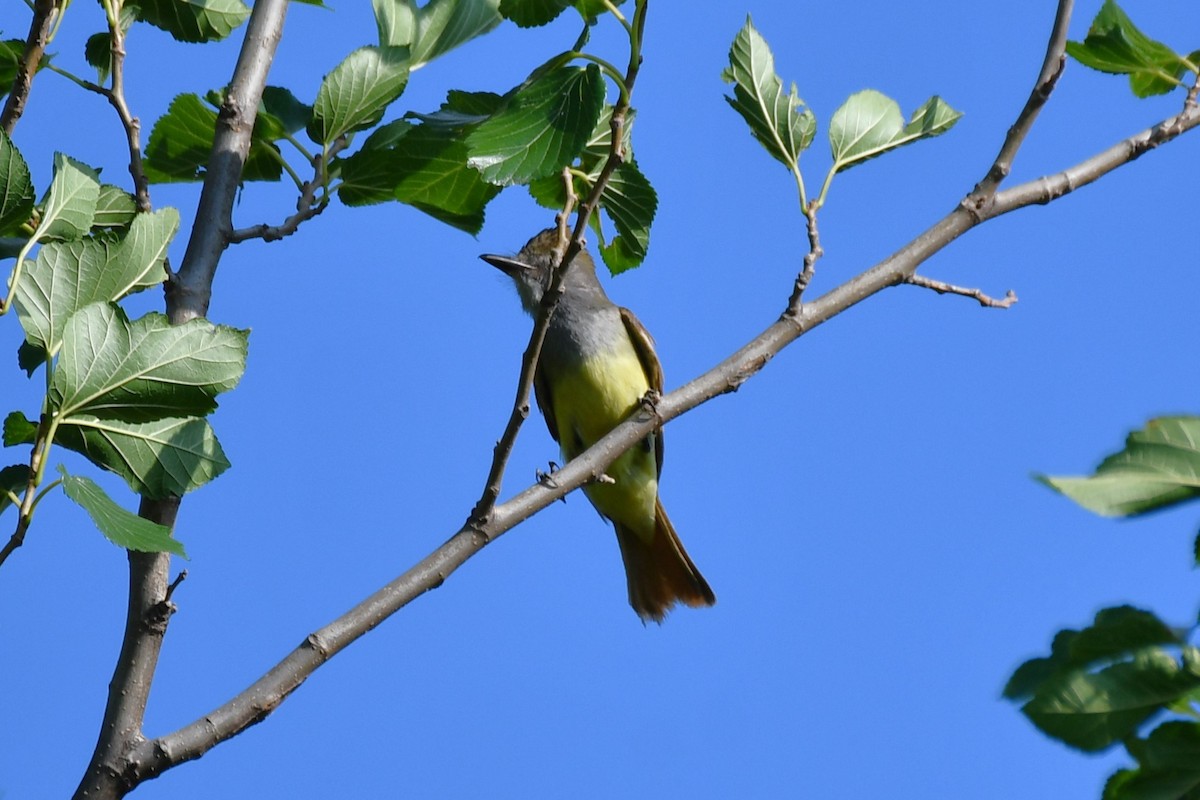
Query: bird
point(596, 364)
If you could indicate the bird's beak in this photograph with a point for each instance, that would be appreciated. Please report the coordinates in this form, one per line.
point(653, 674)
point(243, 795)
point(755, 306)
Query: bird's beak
point(509, 266)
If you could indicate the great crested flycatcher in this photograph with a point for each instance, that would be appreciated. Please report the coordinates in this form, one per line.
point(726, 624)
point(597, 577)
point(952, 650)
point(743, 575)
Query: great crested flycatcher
point(596, 364)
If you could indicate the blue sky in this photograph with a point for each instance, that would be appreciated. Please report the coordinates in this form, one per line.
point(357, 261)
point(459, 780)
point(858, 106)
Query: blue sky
point(863, 508)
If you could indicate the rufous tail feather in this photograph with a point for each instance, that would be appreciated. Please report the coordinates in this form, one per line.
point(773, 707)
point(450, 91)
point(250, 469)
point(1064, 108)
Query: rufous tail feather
point(660, 573)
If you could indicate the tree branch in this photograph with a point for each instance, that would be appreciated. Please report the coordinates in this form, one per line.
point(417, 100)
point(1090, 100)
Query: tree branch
point(1052, 68)
point(190, 290)
point(941, 287)
point(265, 694)
point(45, 12)
point(307, 205)
point(132, 125)
point(114, 770)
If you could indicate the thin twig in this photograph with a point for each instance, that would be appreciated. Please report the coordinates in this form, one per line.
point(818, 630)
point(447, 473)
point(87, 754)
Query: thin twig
point(815, 251)
point(40, 28)
point(132, 125)
point(1052, 67)
point(307, 205)
point(521, 407)
point(941, 287)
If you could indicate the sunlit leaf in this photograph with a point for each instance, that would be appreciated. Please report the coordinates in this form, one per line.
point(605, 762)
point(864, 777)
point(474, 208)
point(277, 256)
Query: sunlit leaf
point(357, 92)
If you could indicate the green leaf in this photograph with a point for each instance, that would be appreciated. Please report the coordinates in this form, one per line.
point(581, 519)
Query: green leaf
point(541, 129)
point(780, 122)
point(1116, 46)
point(19, 430)
point(1099, 684)
point(281, 114)
point(12, 479)
point(1159, 467)
point(30, 357)
point(115, 207)
point(11, 52)
point(16, 189)
point(166, 457)
point(870, 123)
point(436, 28)
point(143, 370)
point(1116, 632)
point(1094, 710)
point(1168, 766)
point(532, 13)
point(122, 528)
point(97, 51)
point(70, 203)
point(423, 166)
point(357, 92)
point(591, 9)
point(181, 143)
point(194, 20)
point(630, 202)
point(68, 276)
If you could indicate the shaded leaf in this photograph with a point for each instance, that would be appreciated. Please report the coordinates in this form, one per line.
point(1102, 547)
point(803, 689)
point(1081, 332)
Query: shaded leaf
point(780, 122)
point(181, 142)
point(194, 20)
point(1115, 45)
point(19, 430)
point(630, 202)
point(1168, 766)
point(541, 129)
point(1159, 467)
point(16, 188)
point(122, 528)
point(423, 166)
point(157, 459)
point(97, 51)
point(13, 479)
point(357, 92)
point(281, 114)
point(143, 370)
point(532, 13)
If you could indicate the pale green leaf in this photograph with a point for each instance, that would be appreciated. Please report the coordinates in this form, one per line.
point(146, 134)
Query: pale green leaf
point(115, 207)
point(157, 459)
point(870, 124)
point(70, 203)
point(780, 122)
point(68, 276)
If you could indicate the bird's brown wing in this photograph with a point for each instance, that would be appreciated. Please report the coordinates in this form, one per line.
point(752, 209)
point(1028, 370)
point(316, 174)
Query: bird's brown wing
point(643, 345)
point(541, 390)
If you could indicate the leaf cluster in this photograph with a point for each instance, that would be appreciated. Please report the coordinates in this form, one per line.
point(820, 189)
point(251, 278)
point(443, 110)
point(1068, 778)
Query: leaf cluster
point(131, 396)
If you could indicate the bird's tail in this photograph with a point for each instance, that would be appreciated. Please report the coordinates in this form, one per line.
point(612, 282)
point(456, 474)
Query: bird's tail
point(659, 572)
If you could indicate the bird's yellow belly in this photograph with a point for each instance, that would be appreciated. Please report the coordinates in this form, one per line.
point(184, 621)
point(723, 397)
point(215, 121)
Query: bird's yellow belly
point(589, 402)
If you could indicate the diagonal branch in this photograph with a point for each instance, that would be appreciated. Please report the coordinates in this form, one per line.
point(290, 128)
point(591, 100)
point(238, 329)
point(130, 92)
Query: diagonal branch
point(45, 14)
point(261, 698)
